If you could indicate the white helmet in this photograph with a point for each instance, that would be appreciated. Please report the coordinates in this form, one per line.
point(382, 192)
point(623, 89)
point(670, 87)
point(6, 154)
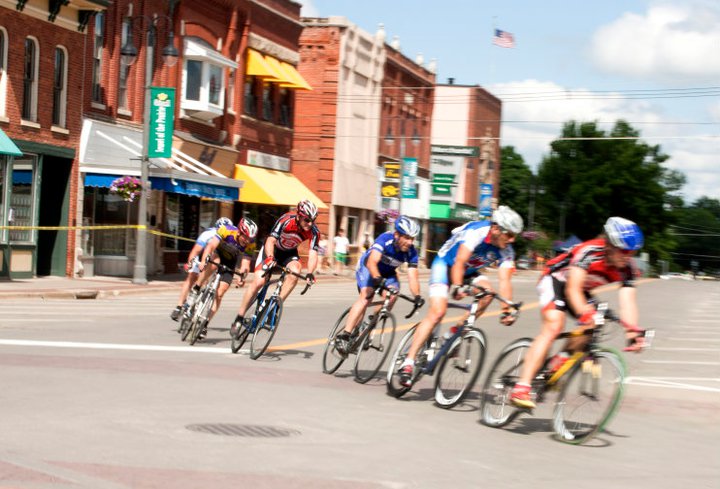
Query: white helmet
point(223, 221)
point(408, 227)
point(508, 219)
point(624, 234)
point(308, 209)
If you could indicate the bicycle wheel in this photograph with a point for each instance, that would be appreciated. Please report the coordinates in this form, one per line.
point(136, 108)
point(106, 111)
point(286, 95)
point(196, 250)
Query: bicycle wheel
point(266, 327)
point(496, 410)
point(238, 340)
point(590, 396)
point(185, 324)
point(202, 315)
point(332, 359)
point(374, 348)
point(459, 368)
point(393, 377)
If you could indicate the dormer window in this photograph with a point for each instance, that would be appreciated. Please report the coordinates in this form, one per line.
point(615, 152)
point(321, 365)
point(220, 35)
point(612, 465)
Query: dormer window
point(204, 76)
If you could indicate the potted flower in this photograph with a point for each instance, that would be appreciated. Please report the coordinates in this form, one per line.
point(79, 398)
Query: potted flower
point(388, 215)
point(126, 187)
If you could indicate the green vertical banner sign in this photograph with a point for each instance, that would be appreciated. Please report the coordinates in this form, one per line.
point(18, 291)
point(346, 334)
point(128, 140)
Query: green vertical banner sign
point(160, 125)
point(409, 189)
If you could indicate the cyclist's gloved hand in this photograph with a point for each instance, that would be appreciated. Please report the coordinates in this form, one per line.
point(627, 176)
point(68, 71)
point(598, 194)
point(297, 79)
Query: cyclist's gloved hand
point(186, 266)
point(419, 301)
point(458, 292)
point(587, 318)
point(268, 263)
point(310, 278)
point(508, 318)
point(378, 282)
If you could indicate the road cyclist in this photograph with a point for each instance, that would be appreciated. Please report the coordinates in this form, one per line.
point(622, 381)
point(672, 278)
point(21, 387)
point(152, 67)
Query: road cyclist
point(228, 248)
point(192, 267)
point(471, 247)
point(280, 248)
point(377, 268)
point(565, 288)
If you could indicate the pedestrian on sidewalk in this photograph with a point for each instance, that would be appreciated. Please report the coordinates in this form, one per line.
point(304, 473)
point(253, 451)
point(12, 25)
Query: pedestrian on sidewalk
point(340, 245)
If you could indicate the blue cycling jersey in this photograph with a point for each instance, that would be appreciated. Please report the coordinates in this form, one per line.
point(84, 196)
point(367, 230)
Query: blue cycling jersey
point(476, 236)
point(391, 256)
point(206, 236)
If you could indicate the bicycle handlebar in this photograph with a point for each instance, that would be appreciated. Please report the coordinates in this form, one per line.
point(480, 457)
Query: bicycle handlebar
point(416, 305)
point(288, 271)
point(605, 313)
point(224, 268)
point(483, 292)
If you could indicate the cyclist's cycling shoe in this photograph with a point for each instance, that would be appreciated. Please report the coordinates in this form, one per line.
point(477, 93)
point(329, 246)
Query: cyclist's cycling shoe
point(406, 375)
point(342, 342)
point(235, 328)
point(203, 333)
point(520, 397)
point(175, 314)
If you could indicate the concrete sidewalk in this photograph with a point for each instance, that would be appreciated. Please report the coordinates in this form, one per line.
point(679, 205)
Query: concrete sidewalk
point(101, 287)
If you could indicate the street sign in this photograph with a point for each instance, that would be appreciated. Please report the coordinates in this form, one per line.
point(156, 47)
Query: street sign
point(160, 125)
point(485, 203)
point(409, 189)
point(390, 189)
point(392, 170)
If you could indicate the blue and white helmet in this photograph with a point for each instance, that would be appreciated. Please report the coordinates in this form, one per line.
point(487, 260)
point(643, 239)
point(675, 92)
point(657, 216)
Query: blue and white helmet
point(624, 234)
point(223, 221)
point(405, 225)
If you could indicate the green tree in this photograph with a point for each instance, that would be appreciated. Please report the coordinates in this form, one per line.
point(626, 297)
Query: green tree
point(589, 176)
point(697, 231)
point(515, 180)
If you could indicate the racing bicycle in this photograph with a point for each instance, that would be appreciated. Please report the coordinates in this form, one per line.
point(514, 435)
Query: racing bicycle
point(265, 320)
point(457, 359)
point(589, 384)
point(370, 341)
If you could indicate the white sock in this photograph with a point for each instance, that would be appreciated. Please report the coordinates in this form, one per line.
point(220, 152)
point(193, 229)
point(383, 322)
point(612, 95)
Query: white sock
point(408, 361)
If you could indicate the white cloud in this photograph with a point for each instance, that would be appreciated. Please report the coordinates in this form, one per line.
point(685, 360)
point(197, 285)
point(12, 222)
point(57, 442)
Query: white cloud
point(667, 42)
point(531, 125)
point(308, 8)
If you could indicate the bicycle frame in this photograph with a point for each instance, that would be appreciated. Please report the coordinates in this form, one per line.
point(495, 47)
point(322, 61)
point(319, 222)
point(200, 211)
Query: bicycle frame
point(261, 300)
point(384, 311)
point(469, 323)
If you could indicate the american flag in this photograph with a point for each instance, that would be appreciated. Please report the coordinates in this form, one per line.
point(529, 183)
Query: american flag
point(503, 39)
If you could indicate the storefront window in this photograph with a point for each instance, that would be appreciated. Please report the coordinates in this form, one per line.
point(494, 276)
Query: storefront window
point(107, 209)
point(22, 199)
point(172, 220)
point(3, 163)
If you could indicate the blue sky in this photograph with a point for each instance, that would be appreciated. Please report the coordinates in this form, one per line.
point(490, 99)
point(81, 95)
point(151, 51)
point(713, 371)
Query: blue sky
point(594, 55)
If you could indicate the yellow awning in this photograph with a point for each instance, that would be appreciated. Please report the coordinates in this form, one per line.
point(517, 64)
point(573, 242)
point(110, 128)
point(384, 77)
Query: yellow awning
point(263, 186)
point(258, 66)
point(296, 79)
point(290, 77)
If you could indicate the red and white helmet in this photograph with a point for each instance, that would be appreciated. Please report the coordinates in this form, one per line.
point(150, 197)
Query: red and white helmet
point(248, 228)
point(306, 208)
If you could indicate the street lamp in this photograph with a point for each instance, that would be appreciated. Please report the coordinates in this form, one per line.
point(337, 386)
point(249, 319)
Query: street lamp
point(390, 139)
point(128, 54)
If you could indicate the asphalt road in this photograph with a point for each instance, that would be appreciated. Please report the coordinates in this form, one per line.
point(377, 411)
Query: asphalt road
point(102, 394)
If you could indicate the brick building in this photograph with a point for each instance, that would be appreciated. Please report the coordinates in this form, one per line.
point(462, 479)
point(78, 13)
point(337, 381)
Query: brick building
point(42, 46)
point(234, 79)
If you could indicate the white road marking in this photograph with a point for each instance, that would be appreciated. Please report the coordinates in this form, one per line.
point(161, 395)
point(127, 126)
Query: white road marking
point(692, 339)
point(660, 348)
point(114, 346)
point(680, 362)
point(662, 382)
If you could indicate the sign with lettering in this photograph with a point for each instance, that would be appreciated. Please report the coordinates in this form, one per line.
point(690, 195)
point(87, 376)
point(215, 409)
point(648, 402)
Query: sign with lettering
point(485, 203)
point(267, 160)
point(390, 189)
point(160, 125)
point(409, 189)
point(392, 170)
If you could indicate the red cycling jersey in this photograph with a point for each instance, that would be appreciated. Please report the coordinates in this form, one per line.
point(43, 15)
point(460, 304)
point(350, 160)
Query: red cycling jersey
point(289, 234)
point(590, 256)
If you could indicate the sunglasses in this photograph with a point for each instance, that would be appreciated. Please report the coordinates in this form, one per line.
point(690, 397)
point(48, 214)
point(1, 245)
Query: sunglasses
point(306, 220)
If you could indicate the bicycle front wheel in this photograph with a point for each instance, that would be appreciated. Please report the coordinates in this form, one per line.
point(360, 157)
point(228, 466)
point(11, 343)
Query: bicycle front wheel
point(332, 359)
point(590, 396)
point(185, 325)
point(496, 410)
point(267, 325)
point(393, 376)
point(202, 315)
point(374, 348)
point(238, 339)
point(459, 368)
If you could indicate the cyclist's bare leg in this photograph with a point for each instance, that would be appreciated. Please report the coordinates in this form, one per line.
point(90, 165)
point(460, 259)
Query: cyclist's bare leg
point(358, 308)
point(290, 280)
point(222, 288)
point(553, 322)
point(438, 308)
point(186, 286)
point(485, 301)
point(251, 291)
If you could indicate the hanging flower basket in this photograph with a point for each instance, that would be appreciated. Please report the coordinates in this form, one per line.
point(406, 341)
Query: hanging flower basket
point(388, 215)
point(126, 187)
